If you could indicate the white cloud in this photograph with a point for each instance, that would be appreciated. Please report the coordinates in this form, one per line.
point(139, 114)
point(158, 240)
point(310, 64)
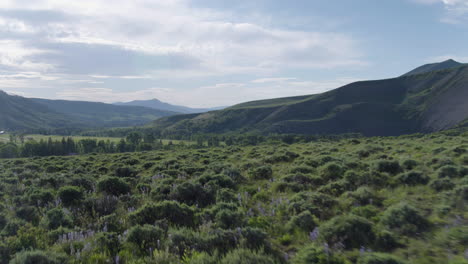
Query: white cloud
point(151, 40)
point(456, 11)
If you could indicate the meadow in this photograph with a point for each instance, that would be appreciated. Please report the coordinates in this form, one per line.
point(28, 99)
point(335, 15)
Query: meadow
point(379, 200)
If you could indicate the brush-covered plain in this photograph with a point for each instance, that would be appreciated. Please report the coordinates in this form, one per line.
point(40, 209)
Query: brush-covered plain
point(363, 200)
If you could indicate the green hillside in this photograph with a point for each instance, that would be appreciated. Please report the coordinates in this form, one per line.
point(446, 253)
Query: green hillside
point(26, 114)
point(448, 64)
point(19, 113)
point(424, 102)
point(104, 115)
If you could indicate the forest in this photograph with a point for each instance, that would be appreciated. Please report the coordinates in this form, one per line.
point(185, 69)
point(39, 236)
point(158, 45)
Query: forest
point(377, 200)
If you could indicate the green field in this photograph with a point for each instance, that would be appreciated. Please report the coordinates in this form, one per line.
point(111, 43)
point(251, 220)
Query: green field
point(363, 200)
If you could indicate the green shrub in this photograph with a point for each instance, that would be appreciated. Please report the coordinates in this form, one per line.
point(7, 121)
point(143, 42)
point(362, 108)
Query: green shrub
point(145, 237)
point(413, 178)
point(304, 221)
point(313, 254)
point(410, 164)
point(379, 258)
point(192, 193)
point(113, 186)
point(56, 218)
point(332, 171)
point(442, 184)
point(352, 231)
point(37, 257)
point(388, 166)
point(174, 212)
point(70, 195)
point(261, 173)
point(448, 172)
point(125, 172)
point(405, 219)
point(229, 219)
point(28, 213)
point(246, 256)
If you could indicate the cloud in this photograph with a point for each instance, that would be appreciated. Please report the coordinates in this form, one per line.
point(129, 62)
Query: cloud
point(456, 11)
point(152, 40)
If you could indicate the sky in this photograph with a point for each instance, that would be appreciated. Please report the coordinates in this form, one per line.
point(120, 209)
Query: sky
point(205, 53)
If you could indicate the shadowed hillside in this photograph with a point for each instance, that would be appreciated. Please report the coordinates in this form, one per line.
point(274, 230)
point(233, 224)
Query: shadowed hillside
point(423, 102)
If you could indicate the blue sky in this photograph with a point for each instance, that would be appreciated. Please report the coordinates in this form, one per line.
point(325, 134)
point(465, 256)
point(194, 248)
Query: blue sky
point(210, 52)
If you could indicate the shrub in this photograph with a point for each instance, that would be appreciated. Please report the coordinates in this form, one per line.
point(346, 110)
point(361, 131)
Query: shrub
point(174, 212)
point(413, 178)
point(304, 221)
point(192, 193)
point(392, 167)
point(36, 257)
point(379, 258)
point(70, 195)
point(229, 219)
point(442, 184)
point(352, 231)
point(261, 173)
point(56, 218)
point(254, 238)
point(332, 171)
point(246, 256)
point(404, 218)
point(113, 186)
point(448, 171)
point(410, 164)
point(313, 254)
point(125, 172)
point(28, 213)
point(145, 237)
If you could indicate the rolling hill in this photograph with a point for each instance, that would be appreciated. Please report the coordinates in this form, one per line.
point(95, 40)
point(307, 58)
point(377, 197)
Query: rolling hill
point(420, 101)
point(104, 115)
point(157, 104)
point(19, 113)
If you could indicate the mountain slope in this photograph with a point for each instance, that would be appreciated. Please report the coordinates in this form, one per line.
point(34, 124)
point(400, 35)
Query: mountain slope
point(156, 104)
point(19, 113)
point(448, 64)
point(424, 102)
point(103, 115)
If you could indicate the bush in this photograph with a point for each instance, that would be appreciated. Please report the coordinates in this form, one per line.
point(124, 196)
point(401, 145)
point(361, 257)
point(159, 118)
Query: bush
point(410, 164)
point(312, 254)
point(70, 195)
point(405, 219)
point(448, 171)
point(36, 257)
point(125, 172)
point(392, 167)
point(443, 184)
point(113, 186)
point(28, 213)
point(56, 218)
point(304, 221)
point(413, 178)
point(352, 231)
point(145, 237)
point(261, 173)
point(227, 219)
point(379, 258)
point(192, 193)
point(174, 212)
point(332, 171)
point(246, 256)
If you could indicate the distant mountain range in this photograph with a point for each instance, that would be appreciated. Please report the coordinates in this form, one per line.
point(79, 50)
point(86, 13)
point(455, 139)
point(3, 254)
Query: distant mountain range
point(156, 104)
point(19, 113)
point(430, 98)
